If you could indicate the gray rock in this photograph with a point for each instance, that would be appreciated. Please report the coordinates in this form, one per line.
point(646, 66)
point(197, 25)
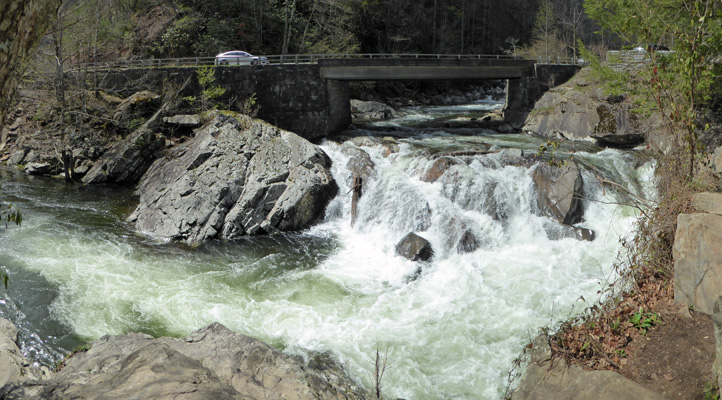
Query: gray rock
point(619, 141)
point(708, 202)
point(211, 363)
point(139, 105)
point(439, 167)
point(468, 242)
point(360, 163)
point(371, 110)
point(717, 321)
point(13, 366)
point(576, 111)
point(559, 192)
point(36, 168)
point(186, 121)
point(716, 161)
point(556, 231)
point(232, 180)
point(565, 382)
point(545, 379)
point(584, 234)
point(698, 260)
point(414, 248)
point(127, 160)
point(17, 157)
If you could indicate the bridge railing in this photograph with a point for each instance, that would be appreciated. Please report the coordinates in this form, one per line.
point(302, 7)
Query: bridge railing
point(292, 59)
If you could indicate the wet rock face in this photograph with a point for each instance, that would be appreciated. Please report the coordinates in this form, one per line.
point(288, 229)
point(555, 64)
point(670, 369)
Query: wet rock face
point(414, 248)
point(211, 363)
point(559, 192)
point(232, 180)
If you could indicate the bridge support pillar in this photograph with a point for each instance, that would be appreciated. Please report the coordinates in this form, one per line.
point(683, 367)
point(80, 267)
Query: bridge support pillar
point(523, 93)
point(339, 106)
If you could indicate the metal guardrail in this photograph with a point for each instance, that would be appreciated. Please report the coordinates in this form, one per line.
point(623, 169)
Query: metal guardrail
point(293, 59)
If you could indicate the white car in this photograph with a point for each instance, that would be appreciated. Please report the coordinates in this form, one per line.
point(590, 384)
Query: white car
point(237, 57)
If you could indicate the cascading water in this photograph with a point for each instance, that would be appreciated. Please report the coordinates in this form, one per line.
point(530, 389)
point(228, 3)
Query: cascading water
point(451, 326)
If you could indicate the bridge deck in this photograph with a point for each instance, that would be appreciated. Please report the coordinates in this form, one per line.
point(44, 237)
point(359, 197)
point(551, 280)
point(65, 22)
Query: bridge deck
point(424, 69)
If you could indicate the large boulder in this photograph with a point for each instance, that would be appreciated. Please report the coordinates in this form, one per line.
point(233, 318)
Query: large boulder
point(211, 363)
point(232, 180)
point(698, 260)
point(559, 192)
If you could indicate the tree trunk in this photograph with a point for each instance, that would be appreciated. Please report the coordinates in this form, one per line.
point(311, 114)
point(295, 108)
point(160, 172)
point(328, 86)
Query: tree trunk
point(22, 24)
point(288, 23)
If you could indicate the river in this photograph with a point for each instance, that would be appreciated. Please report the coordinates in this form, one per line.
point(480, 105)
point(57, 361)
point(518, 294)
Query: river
point(450, 327)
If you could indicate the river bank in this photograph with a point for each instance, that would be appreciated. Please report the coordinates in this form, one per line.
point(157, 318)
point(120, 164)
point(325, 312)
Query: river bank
point(654, 331)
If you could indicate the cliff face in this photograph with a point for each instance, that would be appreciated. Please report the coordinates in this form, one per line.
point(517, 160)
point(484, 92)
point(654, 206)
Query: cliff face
point(22, 24)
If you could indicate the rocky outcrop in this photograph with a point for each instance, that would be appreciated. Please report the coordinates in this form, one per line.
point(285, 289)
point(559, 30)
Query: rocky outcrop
point(414, 248)
point(141, 105)
point(13, 366)
point(127, 160)
point(210, 363)
point(698, 260)
point(559, 192)
point(580, 109)
point(545, 379)
point(232, 180)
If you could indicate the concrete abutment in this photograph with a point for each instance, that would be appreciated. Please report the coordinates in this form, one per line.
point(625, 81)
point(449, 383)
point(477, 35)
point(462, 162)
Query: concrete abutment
point(300, 99)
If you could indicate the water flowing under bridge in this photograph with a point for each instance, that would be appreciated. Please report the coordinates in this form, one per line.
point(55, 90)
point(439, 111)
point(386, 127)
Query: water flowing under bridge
point(309, 94)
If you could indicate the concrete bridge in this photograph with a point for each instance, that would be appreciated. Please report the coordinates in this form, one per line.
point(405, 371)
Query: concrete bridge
point(312, 99)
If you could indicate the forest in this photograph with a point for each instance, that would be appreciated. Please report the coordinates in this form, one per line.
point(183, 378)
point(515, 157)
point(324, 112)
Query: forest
point(97, 30)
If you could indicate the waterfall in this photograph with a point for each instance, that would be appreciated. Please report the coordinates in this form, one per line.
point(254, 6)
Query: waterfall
point(451, 326)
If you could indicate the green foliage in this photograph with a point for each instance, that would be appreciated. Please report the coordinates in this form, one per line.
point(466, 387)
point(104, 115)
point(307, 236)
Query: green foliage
point(679, 83)
point(249, 106)
point(614, 83)
point(711, 390)
point(549, 151)
point(643, 321)
point(209, 91)
point(10, 214)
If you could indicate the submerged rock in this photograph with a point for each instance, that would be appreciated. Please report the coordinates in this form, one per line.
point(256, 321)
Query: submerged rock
point(232, 180)
point(468, 242)
point(210, 363)
point(559, 192)
point(414, 248)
